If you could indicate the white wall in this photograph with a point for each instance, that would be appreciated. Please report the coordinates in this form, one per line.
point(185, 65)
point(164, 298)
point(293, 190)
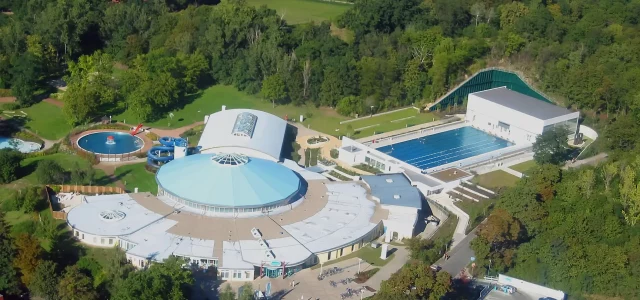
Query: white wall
point(485, 115)
point(95, 240)
point(528, 286)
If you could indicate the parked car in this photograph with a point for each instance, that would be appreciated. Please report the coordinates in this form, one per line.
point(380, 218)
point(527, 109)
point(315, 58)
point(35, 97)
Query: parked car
point(436, 268)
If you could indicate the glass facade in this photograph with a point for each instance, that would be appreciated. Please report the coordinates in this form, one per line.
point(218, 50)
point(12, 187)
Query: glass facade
point(570, 125)
point(218, 209)
point(374, 163)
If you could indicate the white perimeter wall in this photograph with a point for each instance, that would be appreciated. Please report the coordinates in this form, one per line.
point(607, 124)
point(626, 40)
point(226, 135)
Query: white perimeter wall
point(528, 286)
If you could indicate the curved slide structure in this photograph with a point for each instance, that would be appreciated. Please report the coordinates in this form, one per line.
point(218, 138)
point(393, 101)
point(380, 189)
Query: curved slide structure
point(164, 153)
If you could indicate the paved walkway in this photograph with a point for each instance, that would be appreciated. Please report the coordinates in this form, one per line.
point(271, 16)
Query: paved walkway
point(460, 256)
point(408, 129)
point(309, 287)
point(587, 161)
point(463, 218)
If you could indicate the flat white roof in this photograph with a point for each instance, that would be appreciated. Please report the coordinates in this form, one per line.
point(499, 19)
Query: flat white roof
point(88, 216)
point(525, 104)
point(266, 135)
point(344, 219)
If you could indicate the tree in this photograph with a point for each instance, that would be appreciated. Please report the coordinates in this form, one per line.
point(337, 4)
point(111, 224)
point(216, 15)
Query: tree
point(9, 276)
point(415, 280)
point(50, 172)
point(551, 146)
point(247, 292)
point(586, 181)
point(477, 9)
point(630, 195)
point(349, 105)
point(227, 293)
point(501, 230)
point(29, 256)
point(609, 171)
point(9, 165)
point(33, 199)
point(45, 281)
point(273, 89)
point(75, 285)
point(167, 280)
point(25, 73)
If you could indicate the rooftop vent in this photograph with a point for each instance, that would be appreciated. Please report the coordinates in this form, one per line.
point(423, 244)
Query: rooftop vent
point(256, 233)
point(112, 215)
point(396, 197)
point(389, 180)
point(230, 159)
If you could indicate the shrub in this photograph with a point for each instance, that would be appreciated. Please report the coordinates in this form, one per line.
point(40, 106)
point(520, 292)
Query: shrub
point(29, 227)
point(334, 153)
point(11, 106)
point(152, 136)
point(348, 172)
point(367, 168)
point(49, 171)
point(29, 137)
point(362, 277)
point(339, 176)
point(5, 93)
point(9, 165)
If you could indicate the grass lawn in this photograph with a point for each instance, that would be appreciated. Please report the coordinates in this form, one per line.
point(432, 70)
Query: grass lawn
point(322, 119)
point(303, 11)
point(477, 211)
point(367, 253)
point(446, 229)
point(495, 180)
point(67, 162)
point(524, 167)
point(136, 176)
point(45, 120)
point(389, 122)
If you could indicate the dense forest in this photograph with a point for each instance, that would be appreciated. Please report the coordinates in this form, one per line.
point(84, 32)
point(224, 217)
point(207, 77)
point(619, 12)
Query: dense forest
point(572, 230)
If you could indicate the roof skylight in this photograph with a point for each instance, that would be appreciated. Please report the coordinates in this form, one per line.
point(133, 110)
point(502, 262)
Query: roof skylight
point(230, 159)
point(112, 215)
point(245, 124)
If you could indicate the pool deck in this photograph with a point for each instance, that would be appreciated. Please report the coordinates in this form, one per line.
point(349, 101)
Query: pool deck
point(148, 143)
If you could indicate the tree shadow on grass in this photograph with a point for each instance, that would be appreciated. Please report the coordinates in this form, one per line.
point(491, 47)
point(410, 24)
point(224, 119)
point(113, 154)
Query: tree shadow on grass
point(10, 126)
point(65, 249)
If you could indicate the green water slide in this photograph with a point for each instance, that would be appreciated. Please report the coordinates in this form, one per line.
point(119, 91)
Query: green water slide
point(484, 80)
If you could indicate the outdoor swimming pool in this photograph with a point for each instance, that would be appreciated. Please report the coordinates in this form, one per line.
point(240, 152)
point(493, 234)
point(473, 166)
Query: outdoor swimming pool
point(101, 143)
point(20, 145)
point(444, 147)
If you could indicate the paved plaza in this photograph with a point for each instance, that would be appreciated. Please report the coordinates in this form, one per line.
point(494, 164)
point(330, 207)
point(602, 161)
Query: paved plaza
point(307, 285)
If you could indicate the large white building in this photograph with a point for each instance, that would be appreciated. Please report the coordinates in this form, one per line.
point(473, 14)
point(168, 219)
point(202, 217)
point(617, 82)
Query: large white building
point(239, 207)
point(516, 117)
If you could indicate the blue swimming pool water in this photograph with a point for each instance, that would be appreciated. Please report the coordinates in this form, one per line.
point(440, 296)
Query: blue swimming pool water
point(445, 147)
point(17, 144)
point(97, 143)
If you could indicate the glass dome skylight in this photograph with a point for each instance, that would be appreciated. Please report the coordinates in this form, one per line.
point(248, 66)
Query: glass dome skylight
point(112, 215)
point(245, 124)
point(230, 159)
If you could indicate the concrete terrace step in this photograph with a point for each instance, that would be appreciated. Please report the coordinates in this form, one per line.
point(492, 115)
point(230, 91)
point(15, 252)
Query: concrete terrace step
point(475, 189)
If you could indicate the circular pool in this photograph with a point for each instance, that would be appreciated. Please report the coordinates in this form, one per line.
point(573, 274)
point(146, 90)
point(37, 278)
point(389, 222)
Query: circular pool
point(109, 142)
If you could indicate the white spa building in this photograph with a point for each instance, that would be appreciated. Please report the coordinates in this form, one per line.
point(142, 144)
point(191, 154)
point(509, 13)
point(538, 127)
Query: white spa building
point(240, 207)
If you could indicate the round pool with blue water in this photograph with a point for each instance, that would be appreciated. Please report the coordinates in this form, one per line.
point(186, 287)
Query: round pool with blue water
point(110, 143)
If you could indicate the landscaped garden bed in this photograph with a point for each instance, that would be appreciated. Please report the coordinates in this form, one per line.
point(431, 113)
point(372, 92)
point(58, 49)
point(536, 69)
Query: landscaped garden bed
point(367, 168)
point(363, 276)
point(317, 140)
point(339, 176)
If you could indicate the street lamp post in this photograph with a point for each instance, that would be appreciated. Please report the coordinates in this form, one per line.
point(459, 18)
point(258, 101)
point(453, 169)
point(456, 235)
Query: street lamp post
point(372, 106)
point(489, 270)
point(320, 269)
point(359, 261)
